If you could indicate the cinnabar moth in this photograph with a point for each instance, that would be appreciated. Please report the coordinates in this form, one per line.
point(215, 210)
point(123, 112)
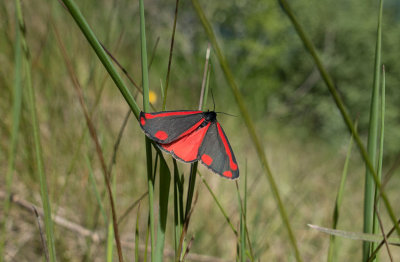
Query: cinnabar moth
point(192, 136)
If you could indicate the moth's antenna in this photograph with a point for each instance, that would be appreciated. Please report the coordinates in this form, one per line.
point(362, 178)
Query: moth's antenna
point(212, 95)
point(226, 114)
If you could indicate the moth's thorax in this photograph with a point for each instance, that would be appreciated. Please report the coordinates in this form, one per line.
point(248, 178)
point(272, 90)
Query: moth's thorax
point(210, 116)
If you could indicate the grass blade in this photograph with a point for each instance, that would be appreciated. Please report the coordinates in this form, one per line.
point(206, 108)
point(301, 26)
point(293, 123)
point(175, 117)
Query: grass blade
point(380, 157)
point(16, 115)
point(228, 220)
point(146, 108)
point(332, 256)
point(178, 208)
point(369, 193)
point(170, 56)
point(137, 234)
point(356, 236)
point(249, 125)
point(165, 181)
point(48, 223)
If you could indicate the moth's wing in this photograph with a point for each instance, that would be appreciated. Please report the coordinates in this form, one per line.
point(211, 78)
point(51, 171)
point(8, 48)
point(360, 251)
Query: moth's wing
point(187, 147)
point(216, 153)
point(166, 127)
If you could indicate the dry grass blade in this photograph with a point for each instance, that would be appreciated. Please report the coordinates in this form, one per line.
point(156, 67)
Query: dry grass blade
point(384, 237)
point(95, 139)
point(42, 237)
point(186, 226)
point(170, 54)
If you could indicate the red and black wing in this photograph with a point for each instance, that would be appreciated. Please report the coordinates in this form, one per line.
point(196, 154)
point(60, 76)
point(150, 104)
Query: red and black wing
point(168, 126)
point(187, 147)
point(216, 153)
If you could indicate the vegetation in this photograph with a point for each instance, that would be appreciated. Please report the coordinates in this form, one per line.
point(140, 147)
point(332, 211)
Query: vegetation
point(75, 76)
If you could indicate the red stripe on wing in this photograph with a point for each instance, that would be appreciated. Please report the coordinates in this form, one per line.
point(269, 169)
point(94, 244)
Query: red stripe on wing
point(177, 113)
point(232, 164)
point(187, 148)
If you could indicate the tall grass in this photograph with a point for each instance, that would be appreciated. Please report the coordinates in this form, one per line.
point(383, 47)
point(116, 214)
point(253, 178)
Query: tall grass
point(30, 92)
point(244, 226)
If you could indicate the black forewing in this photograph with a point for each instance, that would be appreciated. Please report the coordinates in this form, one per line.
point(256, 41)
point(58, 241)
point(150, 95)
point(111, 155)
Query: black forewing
point(167, 126)
point(216, 147)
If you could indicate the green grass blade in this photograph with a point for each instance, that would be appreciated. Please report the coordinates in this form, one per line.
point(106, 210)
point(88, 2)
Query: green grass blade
point(178, 208)
point(165, 181)
point(249, 124)
point(332, 256)
point(137, 235)
point(110, 240)
point(369, 193)
point(36, 138)
point(95, 190)
point(102, 55)
point(242, 232)
point(146, 108)
point(16, 116)
point(339, 103)
point(380, 157)
point(228, 220)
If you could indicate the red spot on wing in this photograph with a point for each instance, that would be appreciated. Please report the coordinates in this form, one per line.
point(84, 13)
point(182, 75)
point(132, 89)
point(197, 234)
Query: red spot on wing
point(187, 147)
point(227, 174)
point(232, 164)
point(177, 113)
point(161, 135)
point(206, 159)
point(142, 121)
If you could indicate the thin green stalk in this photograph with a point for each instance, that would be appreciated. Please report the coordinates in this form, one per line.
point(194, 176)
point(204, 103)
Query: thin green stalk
point(16, 116)
point(250, 126)
point(95, 190)
point(178, 208)
point(193, 167)
point(369, 192)
point(228, 220)
point(339, 103)
point(36, 138)
point(102, 55)
point(170, 55)
point(165, 181)
point(137, 234)
point(146, 108)
point(380, 158)
point(111, 230)
point(332, 256)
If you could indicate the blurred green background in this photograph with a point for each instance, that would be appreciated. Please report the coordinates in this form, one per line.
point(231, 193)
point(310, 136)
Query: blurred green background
point(302, 131)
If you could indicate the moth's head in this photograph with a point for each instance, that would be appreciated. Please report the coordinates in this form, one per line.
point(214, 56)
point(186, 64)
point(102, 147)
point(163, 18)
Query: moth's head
point(210, 116)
